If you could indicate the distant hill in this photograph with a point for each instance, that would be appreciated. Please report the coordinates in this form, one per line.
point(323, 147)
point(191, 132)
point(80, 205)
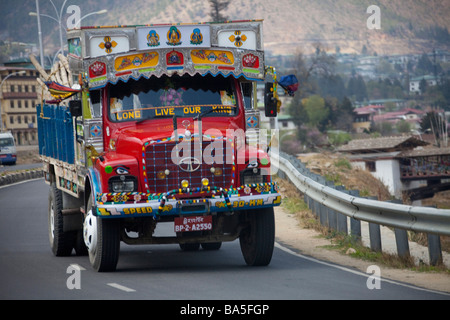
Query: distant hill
point(406, 25)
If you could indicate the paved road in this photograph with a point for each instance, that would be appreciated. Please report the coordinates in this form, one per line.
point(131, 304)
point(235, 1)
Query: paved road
point(28, 270)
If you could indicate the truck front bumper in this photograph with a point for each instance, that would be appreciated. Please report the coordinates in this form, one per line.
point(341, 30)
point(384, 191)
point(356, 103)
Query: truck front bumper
point(187, 202)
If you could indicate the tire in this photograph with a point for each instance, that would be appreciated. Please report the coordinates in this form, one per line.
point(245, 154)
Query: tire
point(80, 246)
point(102, 240)
point(189, 246)
point(61, 242)
point(211, 245)
point(258, 239)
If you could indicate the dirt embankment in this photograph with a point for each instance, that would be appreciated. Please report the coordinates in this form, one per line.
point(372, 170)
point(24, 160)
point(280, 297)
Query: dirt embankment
point(27, 155)
point(337, 168)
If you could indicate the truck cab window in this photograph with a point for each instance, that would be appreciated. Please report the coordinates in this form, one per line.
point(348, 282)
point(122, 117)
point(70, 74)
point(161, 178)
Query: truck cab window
point(95, 100)
point(181, 96)
point(247, 94)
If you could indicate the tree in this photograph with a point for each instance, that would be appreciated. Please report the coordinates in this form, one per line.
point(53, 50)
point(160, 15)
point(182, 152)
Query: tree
point(403, 126)
point(342, 117)
point(316, 110)
point(436, 124)
point(332, 86)
point(424, 65)
point(423, 86)
point(356, 88)
point(217, 8)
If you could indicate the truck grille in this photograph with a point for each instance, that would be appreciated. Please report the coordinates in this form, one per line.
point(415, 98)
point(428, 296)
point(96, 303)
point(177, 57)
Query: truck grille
point(158, 162)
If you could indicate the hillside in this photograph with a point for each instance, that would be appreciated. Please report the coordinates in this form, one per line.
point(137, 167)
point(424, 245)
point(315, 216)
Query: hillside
point(406, 25)
point(335, 167)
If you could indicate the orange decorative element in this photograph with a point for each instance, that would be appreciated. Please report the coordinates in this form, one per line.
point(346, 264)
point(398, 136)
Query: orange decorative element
point(238, 39)
point(212, 57)
point(107, 45)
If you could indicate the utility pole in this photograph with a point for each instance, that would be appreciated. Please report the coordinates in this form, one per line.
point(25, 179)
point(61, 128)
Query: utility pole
point(41, 47)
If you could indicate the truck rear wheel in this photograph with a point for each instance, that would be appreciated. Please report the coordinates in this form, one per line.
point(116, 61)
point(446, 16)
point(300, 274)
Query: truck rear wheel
point(102, 239)
point(211, 245)
point(189, 246)
point(257, 240)
point(61, 242)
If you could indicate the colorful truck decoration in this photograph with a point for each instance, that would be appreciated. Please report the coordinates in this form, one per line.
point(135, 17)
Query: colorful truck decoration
point(141, 125)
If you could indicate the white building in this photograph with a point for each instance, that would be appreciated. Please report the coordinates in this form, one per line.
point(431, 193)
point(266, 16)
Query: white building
point(414, 83)
point(381, 157)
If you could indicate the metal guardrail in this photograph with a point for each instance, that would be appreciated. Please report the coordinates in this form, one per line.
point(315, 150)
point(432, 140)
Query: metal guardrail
point(333, 205)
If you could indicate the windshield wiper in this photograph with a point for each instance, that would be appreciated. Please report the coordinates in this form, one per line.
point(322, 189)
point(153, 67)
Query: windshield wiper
point(204, 113)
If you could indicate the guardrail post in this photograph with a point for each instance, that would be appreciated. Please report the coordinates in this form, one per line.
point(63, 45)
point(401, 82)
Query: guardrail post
point(375, 237)
point(434, 249)
point(401, 238)
point(355, 225)
point(332, 220)
point(281, 175)
point(341, 219)
point(374, 233)
point(320, 208)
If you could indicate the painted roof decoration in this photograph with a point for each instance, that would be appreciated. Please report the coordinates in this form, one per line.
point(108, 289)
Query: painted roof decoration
point(120, 53)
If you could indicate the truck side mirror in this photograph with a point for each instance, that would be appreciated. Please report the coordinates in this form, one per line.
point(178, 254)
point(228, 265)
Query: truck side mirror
point(75, 108)
point(270, 102)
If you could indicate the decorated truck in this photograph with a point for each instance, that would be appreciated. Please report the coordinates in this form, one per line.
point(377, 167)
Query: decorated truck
point(158, 124)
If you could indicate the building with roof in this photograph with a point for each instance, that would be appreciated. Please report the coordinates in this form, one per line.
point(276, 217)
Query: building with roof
point(382, 157)
point(410, 115)
point(414, 83)
point(18, 100)
point(363, 117)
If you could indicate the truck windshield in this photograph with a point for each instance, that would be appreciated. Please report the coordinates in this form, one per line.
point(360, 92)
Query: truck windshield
point(6, 142)
point(168, 96)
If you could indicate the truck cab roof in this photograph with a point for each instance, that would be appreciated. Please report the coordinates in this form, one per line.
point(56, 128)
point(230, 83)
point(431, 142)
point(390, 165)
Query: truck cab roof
point(120, 53)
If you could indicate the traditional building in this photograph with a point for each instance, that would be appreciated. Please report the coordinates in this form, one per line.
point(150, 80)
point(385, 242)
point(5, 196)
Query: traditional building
point(410, 115)
point(18, 100)
point(383, 157)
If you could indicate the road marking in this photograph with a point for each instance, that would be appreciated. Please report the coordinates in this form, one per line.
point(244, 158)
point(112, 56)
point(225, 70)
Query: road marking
point(287, 250)
point(77, 267)
point(20, 182)
point(120, 287)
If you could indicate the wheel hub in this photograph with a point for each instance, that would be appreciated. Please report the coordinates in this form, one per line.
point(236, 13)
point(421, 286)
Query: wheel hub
point(90, 231)
point(52, 223)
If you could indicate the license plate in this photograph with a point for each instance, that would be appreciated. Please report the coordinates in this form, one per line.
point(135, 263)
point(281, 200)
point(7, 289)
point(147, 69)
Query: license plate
point(196, 223)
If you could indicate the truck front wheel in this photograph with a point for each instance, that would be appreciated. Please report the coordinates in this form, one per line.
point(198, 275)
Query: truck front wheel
point(102, 239)
point(257, 240)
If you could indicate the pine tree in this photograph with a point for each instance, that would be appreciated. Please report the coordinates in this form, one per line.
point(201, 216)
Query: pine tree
point(217, 8)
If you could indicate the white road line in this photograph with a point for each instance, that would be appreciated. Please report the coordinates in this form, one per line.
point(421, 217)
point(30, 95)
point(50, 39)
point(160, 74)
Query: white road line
point(120, 287)
point(20, 182)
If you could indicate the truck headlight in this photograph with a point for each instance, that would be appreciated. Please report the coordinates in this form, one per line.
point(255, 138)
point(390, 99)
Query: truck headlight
point(251, 176)
point(120, 184)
